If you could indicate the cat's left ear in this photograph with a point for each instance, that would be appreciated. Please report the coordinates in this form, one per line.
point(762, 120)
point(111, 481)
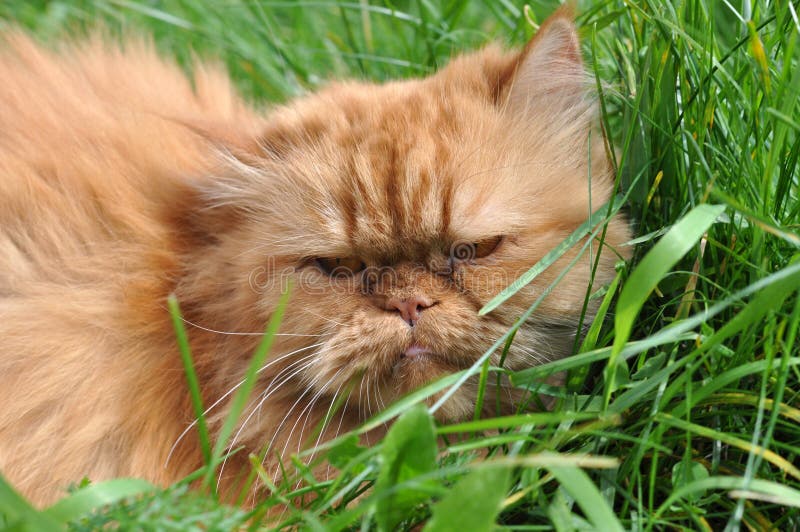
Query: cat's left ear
point(548, 73)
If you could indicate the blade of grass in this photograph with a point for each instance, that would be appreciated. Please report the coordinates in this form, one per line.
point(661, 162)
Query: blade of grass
point(577, 483)
point(95, 496)
point(585, 229)
point(191, 377)
point(239, 400)
point(644, 279)
point(18, 514)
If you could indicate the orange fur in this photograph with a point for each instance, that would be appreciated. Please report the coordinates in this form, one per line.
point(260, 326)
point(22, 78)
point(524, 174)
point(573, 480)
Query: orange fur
point(121, 182)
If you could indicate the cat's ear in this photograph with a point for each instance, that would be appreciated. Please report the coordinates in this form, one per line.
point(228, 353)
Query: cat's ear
point(548, 74)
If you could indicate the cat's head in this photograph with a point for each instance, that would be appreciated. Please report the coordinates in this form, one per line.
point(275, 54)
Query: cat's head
point(398, 210)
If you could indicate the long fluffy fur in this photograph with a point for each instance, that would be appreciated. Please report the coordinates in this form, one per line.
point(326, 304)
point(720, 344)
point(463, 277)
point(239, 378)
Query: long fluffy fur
point(121, 182)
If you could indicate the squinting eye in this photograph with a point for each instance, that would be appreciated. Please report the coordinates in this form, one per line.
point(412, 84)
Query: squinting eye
point(487, 247)
point(340, 266)
point(467, 251)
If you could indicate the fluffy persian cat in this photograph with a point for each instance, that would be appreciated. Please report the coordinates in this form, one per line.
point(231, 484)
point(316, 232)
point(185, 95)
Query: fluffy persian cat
point(397, 210)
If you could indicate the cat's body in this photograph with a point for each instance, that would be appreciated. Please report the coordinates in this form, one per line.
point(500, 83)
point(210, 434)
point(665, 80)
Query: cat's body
point(120, 183)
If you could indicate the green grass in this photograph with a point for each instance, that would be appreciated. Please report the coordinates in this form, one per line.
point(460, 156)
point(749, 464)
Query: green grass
point(683, 405)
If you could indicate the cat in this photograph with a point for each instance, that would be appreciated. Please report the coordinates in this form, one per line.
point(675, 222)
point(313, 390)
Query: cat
point(397, 210)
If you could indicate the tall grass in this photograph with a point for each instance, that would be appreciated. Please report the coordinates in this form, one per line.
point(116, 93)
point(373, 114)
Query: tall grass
point(682, 409)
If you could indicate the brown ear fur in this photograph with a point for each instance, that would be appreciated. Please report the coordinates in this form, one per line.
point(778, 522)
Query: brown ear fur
point(548, 73)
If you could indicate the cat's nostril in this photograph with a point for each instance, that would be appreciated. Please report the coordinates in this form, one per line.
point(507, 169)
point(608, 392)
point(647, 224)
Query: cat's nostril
point(409, 307)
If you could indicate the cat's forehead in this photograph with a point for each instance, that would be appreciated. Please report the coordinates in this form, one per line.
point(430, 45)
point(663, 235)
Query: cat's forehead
point(405, 164)
point(392, 170)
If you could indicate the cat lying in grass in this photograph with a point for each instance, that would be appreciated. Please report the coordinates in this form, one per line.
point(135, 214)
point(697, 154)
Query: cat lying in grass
point(397, 211)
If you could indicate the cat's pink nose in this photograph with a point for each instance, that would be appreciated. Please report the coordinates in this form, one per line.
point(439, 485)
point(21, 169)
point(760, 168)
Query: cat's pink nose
point(409, 307)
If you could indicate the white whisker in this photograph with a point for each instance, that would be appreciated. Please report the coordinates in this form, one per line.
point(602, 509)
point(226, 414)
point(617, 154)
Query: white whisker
point(231, 333)
point(367, 395)
point(325, 419)
point(310, 408)
point(291, 431)
point(228, 393)
point(338, 428)
point(309, 388)
point(379, 398)
point(360, 389)
point(266, 394)
point(324, 318)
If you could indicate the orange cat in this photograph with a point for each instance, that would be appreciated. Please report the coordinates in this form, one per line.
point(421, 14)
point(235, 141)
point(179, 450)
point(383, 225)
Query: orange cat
point(398, 210)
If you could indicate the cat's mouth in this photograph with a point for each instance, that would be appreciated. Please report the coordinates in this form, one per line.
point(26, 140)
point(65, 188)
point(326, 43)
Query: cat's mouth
point(417, 352)
point(418, 359)
point(422, 363)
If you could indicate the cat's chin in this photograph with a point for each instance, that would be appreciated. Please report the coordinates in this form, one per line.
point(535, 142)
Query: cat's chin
point(418, 366)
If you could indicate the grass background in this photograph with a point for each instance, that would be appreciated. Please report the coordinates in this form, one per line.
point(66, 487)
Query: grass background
point(683, 406)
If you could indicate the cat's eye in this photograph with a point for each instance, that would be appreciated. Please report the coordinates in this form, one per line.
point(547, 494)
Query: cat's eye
point(486, 247)
point(340, 266)
point(468, 251)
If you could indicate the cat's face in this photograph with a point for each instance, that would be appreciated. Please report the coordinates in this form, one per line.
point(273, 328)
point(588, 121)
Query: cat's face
point(399, 210)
